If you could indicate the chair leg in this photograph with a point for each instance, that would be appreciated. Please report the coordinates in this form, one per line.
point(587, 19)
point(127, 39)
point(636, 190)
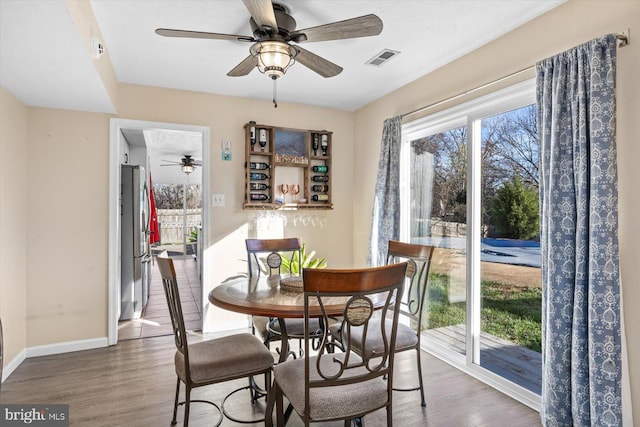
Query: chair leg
point(175, 406)
point(187, 404)
point(267, 381)
point(423, 401)
point(279, 406)
point(389, 416)
point(268, 413)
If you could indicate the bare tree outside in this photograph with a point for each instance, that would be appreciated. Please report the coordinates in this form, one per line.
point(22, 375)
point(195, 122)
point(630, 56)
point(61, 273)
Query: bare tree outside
point(170, 196)
point(509, 149)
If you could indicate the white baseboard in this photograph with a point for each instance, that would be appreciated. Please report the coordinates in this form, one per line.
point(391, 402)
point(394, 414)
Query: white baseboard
point(45, 350)
point(13, 365)
point(67, 347)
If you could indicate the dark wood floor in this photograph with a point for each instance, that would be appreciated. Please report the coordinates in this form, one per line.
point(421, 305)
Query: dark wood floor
point(132, 384)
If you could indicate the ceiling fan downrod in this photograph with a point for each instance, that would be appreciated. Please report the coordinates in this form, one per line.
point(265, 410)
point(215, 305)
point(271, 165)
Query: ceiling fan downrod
point(275, 91)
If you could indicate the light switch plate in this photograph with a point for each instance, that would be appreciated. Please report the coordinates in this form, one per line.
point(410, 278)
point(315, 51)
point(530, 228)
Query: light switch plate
point(217, 200)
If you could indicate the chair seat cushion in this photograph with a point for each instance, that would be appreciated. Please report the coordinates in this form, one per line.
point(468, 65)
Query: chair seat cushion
point(295, 327)
point(266, 326)
point(225, 358)
point(406, 337)
point(334, 402)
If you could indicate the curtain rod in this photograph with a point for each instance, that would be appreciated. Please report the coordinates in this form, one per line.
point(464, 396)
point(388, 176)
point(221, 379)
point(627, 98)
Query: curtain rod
point(624, 40)
point(460, 95)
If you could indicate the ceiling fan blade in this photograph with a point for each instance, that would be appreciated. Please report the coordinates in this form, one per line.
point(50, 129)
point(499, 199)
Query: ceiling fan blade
point(262, 12)
point(316, 63)
point(167, 32)
point(363, 26)
point(244, 67)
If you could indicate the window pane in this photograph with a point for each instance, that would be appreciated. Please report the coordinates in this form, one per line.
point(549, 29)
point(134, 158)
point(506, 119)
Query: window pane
point(438, 192)
point(510, 260)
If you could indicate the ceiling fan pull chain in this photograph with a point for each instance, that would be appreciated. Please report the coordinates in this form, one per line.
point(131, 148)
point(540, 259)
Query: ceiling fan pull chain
point(275, 93)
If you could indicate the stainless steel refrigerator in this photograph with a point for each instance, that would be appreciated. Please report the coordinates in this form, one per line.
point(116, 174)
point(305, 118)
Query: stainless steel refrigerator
point(135, 266)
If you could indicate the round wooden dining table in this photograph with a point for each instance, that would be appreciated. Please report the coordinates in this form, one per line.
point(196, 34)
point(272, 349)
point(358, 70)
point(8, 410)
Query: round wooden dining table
point(264, 296)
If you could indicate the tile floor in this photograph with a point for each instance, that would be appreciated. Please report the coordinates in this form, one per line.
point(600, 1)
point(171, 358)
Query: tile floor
point(155, 320)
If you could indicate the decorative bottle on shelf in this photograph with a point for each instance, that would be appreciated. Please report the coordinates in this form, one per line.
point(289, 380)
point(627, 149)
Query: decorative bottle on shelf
point(258, 196)
point(259, 165)
point(320, 178)
point(315, 144)
point(320, 197)
point(255, 176)
point(324, 144)
point(258, 186)
point(320, 188)
point(262, 138)
point(252, 133)
point(320, 168)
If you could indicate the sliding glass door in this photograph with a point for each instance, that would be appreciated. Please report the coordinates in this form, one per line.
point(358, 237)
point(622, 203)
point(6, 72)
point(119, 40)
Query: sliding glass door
point(470, 188)
point(437, 216)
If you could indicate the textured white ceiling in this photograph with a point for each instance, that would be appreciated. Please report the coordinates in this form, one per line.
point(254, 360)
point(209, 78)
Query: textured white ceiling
point(43, 61)
point(428, 34)
point(164, 146)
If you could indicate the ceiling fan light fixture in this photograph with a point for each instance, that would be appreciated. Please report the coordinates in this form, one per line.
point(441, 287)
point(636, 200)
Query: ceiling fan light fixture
point(187, 169)
point(274, 57)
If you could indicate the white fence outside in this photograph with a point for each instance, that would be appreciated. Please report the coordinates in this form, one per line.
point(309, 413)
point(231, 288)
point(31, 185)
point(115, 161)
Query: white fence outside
point(171, 224)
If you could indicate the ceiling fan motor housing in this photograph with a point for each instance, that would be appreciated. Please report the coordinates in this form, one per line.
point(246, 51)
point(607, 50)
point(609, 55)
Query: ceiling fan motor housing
point(286, 25)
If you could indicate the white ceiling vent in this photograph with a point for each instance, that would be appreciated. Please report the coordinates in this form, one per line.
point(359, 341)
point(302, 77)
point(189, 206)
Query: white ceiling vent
point(384, 56)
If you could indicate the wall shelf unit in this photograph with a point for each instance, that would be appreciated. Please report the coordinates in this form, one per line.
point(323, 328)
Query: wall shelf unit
point(287, 168)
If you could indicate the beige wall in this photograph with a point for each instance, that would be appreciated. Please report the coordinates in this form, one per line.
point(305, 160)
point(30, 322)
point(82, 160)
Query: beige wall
point(13, 224)
point(67, 243)
point(68, 200)
point(571, 24)
point(226, 116)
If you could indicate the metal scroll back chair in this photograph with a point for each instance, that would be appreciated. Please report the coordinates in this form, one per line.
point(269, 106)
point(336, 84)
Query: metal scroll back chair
point(276, 248)
point(413, 299)
point(344, 386)
point(213, 361)
point(269, 328)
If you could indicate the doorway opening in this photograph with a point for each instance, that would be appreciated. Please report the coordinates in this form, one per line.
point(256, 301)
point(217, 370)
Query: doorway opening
point(173, 217)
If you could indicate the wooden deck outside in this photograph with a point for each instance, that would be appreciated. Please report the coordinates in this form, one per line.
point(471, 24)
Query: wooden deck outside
point(519, 365)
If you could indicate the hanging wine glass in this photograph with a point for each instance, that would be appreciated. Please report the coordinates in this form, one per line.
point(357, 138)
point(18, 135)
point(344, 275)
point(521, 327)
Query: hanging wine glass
point(284, 189)
point(295, 189)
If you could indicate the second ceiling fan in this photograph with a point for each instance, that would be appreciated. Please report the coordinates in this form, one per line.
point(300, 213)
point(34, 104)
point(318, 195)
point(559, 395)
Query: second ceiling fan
point(187, 163)
point(274, 33)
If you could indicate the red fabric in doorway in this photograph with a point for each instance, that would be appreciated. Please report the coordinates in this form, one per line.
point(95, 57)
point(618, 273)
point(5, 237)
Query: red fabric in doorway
point(154, 229)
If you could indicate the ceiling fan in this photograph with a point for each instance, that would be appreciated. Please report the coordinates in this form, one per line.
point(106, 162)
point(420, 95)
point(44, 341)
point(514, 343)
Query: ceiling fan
point(274, 31)
point(187, 164)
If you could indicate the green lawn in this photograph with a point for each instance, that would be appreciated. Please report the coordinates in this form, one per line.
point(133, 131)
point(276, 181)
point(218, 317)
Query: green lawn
point(508, 311)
